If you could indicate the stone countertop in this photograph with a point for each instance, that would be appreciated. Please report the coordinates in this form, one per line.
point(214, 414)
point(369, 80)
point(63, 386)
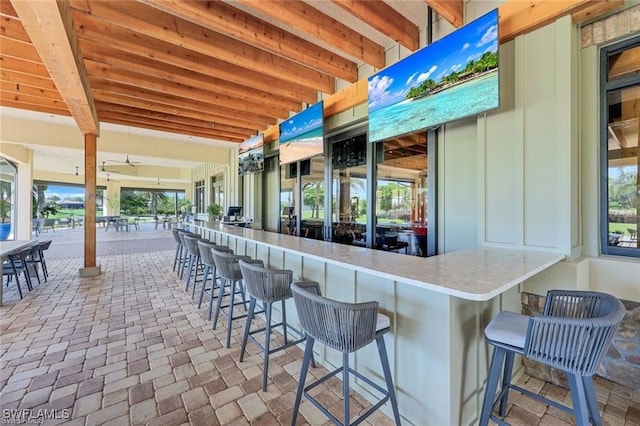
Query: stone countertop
point(479, 273)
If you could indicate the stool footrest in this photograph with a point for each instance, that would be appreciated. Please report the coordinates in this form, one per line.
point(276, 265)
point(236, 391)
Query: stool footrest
point(279, 348)
point(326, 412)
point(530, 395)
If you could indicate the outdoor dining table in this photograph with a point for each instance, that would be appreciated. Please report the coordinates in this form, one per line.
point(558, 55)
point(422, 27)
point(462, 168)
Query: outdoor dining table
point(7, 247)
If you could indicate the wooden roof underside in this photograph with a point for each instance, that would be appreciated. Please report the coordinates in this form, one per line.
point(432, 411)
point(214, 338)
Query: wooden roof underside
point(220, 70)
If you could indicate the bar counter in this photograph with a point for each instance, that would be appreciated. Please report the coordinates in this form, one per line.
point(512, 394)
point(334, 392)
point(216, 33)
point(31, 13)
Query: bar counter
point(438, 307)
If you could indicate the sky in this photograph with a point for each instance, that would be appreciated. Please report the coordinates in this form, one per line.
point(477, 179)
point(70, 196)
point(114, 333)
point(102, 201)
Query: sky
point(303, 122)
point(251, 143)
point(64, 192)
point(451, 53)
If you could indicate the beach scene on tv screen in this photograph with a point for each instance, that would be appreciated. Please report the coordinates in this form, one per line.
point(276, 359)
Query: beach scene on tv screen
point(251, 155)
point(455, 77)
point(301, 136)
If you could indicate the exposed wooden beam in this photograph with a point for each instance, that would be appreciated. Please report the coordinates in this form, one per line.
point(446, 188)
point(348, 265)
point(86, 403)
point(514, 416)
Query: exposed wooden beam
point(451, 10)
point(383, 18)
point(17, 89)
point(28, 99)
point(187, 83)
point(118, 110)
point(6, 9)
point(626, 63)
point(12, 27)
point(137, 18)
point(51, 30)
point(24, 67)
point(34, 107)
point(188, 62)
point(169, 109)
point(21, 79)
point(520, 17)
point(19, 49)
point(128, 121)
point(223, 104)
point(304, 18)
point(221, 17)
point(595, 9)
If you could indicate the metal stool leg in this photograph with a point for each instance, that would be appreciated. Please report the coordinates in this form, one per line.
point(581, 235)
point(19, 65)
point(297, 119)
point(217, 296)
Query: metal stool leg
point(578, 398)
point(245, 337)
point(592, 401)
point(384, 359)
point(345, 386)
point(223, 284)
point(492, 384)
point(267, 341)
point(205, 276)
point(506, 380)
point(308, 352)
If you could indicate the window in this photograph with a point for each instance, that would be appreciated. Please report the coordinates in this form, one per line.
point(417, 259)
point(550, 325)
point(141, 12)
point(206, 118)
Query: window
point(217, 190)
point(8, 174)
point(199, 197)
point(620, 191)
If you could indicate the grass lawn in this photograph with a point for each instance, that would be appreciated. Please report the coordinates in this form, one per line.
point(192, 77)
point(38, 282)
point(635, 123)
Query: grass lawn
point(622, 228)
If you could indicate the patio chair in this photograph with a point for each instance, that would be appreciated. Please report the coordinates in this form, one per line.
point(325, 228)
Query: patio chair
point(49, 224)
point(572, 335)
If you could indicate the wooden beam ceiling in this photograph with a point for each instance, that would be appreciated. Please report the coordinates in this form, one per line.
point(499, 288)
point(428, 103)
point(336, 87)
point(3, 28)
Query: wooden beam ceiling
point(521, 17)
point(450, 10)
point(312, 22)
point(237, 65)
point(221, 17)
point(50, 28)
point(383, 18)
point(136, 18)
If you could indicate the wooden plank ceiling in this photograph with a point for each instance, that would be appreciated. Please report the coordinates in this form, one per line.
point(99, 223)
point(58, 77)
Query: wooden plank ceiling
point(221, 70)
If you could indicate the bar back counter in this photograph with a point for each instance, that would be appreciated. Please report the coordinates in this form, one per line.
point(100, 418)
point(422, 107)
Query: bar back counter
point(438, 307)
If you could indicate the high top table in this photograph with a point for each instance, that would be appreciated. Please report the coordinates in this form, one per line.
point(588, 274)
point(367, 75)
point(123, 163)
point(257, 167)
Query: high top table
point(438, 307)
point(7, 247)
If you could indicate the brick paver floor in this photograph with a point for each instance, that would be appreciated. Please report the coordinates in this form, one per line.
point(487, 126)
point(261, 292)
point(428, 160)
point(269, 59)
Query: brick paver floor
point(130, 347)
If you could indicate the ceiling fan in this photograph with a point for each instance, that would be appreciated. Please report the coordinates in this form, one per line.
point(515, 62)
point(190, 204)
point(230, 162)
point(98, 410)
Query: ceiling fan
point(126, 161)
point(77, 173)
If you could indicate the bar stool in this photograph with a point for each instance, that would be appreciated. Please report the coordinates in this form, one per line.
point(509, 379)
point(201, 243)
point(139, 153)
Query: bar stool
point(267, 286)
point(231, 278)
point(179, 248)
point(182, 265)
point(209, 265)
point(572, 335)
point(345, 327)
point(210, 268)
point(194, 264)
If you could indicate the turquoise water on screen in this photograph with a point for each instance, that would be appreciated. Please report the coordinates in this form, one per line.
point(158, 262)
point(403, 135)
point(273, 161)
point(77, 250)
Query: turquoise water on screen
point(466, 99)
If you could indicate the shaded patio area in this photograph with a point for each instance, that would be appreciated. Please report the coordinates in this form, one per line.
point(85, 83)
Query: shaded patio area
point(131, 347)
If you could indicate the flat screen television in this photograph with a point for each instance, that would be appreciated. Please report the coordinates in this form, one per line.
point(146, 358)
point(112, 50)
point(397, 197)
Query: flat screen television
point(251, 155)
point(234, 212)
point(302, 136)
point(455, 77)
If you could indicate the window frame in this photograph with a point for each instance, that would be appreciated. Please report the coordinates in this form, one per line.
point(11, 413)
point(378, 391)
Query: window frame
point(606, 87)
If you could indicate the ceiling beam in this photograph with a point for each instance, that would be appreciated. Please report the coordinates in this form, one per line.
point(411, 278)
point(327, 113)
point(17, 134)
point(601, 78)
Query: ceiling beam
point(129, 121)
point(21, 79)
point(385, 19)
point(34, 107)
point(232, 22)
point(256, 120)
point(305, 18)
point(451, 10)
point(195, 84)
point(595, 9)
point(136, 102)
point(51, 31)
point(136, 18)
point(185, 96)
point(160, 53)
point(177, 119)
point(521, 17)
